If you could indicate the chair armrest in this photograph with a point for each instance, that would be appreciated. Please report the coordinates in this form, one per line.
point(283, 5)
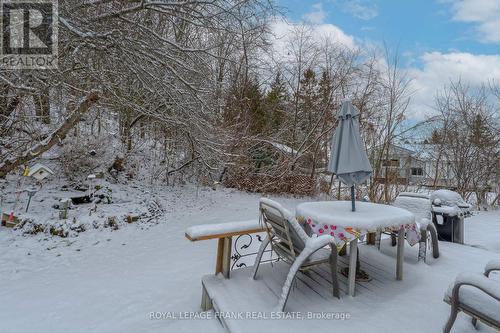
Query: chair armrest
point(316, 243)
point(481, 282)
point(423, 222)
point(493, 265)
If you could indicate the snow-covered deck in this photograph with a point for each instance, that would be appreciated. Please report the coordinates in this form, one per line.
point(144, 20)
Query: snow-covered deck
point(111, 281)
point(414, 304)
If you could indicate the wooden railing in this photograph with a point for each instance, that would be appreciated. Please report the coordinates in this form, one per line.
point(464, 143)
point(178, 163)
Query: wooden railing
point(224, 232)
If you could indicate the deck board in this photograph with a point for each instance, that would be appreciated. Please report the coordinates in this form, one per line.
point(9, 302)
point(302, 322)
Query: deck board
point(420, 292)
point(309, 288)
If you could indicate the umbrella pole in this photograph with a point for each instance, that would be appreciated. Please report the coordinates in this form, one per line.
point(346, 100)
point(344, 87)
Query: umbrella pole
point(353, 198)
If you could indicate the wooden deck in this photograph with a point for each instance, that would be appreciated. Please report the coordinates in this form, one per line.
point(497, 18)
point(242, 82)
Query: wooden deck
point(384, 304)
point(311, 293)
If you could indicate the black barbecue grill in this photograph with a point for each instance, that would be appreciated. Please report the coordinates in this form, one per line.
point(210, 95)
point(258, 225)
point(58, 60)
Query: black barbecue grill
point(448, 213)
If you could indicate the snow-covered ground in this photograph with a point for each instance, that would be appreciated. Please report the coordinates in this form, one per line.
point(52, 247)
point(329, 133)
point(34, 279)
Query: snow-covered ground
point(483, 230)
point(108, 280)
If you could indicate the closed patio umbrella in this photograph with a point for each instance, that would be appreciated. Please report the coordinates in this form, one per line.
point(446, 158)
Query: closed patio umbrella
point(348, 159)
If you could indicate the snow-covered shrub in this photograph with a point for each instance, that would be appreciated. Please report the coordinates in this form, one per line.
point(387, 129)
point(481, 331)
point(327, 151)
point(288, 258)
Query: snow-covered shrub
point(29, 226)
point(80, 156)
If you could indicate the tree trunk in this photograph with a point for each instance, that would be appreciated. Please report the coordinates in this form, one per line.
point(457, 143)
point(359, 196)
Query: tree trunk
point(42, 107)
point(56, 136)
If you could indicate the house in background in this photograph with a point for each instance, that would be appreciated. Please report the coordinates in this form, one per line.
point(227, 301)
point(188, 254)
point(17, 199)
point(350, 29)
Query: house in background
point(412, 165)
point(438, 168)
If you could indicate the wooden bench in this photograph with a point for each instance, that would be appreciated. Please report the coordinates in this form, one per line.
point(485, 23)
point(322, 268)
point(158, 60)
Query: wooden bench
point(224, 232)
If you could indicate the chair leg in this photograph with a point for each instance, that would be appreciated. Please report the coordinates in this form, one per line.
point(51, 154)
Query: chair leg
point(333, 268)
point(290, 278)
point(393, 239)
point(434, 240)
point(422, 251)
point(343, 250)
point(422, 246)
point(452, 318)
point(474, 322)
point(287, 287)
point(378, 238)
point(262, 247)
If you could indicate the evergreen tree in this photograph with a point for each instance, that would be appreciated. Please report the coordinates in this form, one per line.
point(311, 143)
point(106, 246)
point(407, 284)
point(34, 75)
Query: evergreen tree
point(275, 102)
point(481, 135)
point(258, 117)
point(308, 98)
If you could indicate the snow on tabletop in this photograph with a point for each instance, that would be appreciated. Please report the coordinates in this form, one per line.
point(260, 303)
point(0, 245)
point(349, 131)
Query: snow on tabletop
point(207, 230)
point(368, 216)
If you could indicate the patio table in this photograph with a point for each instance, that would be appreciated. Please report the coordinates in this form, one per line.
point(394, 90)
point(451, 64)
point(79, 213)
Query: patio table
point(335, 218)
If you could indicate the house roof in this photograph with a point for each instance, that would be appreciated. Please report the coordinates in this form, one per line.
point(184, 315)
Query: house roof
point(396, 146)
point(419, 151)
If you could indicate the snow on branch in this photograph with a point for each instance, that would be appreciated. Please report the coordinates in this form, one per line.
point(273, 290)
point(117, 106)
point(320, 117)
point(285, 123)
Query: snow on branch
point(56, 136)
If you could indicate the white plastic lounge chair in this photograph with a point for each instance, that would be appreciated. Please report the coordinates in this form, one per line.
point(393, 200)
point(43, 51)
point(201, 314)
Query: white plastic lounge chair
point(294, 246)
point(420, 205)
point(476, 295)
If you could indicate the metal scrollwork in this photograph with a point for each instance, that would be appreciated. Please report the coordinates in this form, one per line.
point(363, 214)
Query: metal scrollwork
point(243, 243)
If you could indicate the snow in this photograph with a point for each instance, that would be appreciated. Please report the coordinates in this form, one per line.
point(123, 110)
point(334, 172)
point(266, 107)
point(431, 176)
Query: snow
point(109, 281)
point(414, 195)
point(482, 230)
point(448, 198)
point(283, 148)
point(287, 215)
point(368, 216)
point(493, 265)
point(449, 203)
point(419, 206)
point(447, 210)
point(37, 167)
point(207, 230)
point(414, 305)
point(105, 280)
point(476, 298)
point(489, 285)
point(312, 245)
